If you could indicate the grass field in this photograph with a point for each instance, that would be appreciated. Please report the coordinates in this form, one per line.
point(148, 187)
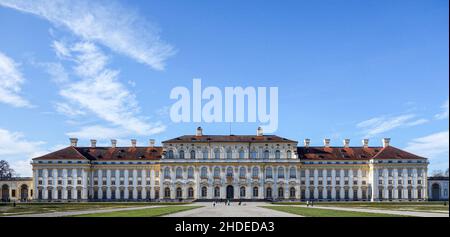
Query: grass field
point(316, 212)
point(149, 212)
point(32, 208)
point(398, 206)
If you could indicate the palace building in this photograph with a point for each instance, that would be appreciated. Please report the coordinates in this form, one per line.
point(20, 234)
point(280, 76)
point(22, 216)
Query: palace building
point(239, 167)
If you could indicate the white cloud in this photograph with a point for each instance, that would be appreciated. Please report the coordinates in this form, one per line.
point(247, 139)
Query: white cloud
point(68, 110)
point(18, 151)
point(382, 124)
point(56, 70)
point(98, 132)
point(444, 113)
point(101, 93)
point(434, 146)
point(11, 80)
point(107, 23)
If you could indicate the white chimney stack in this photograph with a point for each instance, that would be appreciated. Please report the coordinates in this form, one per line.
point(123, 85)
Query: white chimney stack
point(365, 143)
point(93, 143)
point(346, 143)
point(326, 142)
point(133, 142)
point(199, 131)
point(307, 141)
point(73, 141)
point(259, 131)
point(152, 142)
point(113, 143)
point(386, 142)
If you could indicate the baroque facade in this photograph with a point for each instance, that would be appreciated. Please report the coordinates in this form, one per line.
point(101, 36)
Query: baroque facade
point(240, 167)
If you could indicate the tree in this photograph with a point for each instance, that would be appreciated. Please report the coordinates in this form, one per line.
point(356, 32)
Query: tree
point(5, 170)
point(437, 173)
point(446, 173)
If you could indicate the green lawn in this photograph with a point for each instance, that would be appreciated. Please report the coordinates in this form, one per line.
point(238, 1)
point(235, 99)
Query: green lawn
point(32, 208)
point(149, 212)
point(316, 212)
point(400, 206)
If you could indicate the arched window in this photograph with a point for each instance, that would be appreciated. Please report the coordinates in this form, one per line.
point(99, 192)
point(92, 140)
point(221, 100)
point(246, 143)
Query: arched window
point(167, 173)
point(255, 172)
point(292, 173)
point(190, 192)
point(179, 193)
point(204, 192)
point(266, 154)
point(216, 172)
point(255, 192)
point(277, 154)
point(204, 173)
point(167, 192)
point(280, 172)
point(179, 173)
point(229, 153)
point(280, 192)
point(269, 173)
point(241, 154)
point(192, 154)
point(253, 154)
point(242, 172)
point(181, 154)
point(205, 154)
point(217, 153)
point(216, 192)
point(289, 154)
point(229, 172)
point(269, 192)
point(190, 173)
point(242, 192)
point(292, 192)
point(170, 154)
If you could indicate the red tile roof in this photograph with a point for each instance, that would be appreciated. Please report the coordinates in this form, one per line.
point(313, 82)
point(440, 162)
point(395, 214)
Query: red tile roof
point(105, 153)
point(353, 153)
point(228, 138)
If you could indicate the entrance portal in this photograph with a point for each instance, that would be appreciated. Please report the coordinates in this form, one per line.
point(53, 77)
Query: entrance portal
point(435, 191)
point(230, 192)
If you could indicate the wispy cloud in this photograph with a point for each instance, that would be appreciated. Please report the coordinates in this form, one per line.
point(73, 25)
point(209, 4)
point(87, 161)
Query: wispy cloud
point(18, 150)
point(434, 146)
point(11, 80)
point(101, 93)
point(382, 124)
point(108, 23)
point(444, 113)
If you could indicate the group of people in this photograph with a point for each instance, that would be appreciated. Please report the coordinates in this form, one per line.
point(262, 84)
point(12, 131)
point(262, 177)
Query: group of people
point(309, 203)
point(226, 202)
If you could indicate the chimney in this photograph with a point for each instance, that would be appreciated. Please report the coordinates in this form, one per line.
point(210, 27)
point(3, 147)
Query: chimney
point(199, 131)
point(307, 141)
point(73, 141)
point(386, 142)
point(365, 143)
point(93, 143)
point(113, 143)
point(259, 131)
point(346, 143)
point(133, 142)
point(326, 142)
point(152, 142)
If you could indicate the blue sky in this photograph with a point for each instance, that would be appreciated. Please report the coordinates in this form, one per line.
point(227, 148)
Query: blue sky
point(104, 69)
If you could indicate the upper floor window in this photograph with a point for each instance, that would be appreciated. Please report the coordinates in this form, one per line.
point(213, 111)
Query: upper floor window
point(59, 172)
point(253, 154)
point(229, 153)
point(292, 173)
point(181, 154)
point(192, 154)
point(167, 173)
point(170, 154)
point(229, 172)
point(190, 173)
point(241, 154)
point(217, 153)
point(255, 172)
point(266, 154)
point(289, 154)
point(216, 172)
point(204, 172)
point(205, 154)
point(269, 172)
point(277, 154)
point(242, 172)
point(39, 173)
point(179, 173)
point(280, 172)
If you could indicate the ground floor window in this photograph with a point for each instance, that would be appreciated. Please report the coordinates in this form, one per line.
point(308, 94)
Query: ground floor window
point(338, 194)
point(311, 194)
point(69, 194)
point(104, 196)
point(303, 194)
point(156, 194)
point(380, 194)
point(419, 193)
point(329, 194)
point(255, 192)
point(113, 194)
point(49, 194)
point(280, 192)
point(79, 194)
point(242, 192)
point(122, 194)
point(269, 193)
point(320, 194)
point(167, 193)
point(59, 194)
point(39, 194)
point(390, 194)
point(355, 194)
point(96, 194)
point(346, 193)
point(399, 194)
point(139, 194)
point(204, 192)
point(130, 194)
point(292, 192)
point(216, 192)
point(190, 193)
point(409, 194)
point(364, 194)
point(147, 194)
point(179, 193)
